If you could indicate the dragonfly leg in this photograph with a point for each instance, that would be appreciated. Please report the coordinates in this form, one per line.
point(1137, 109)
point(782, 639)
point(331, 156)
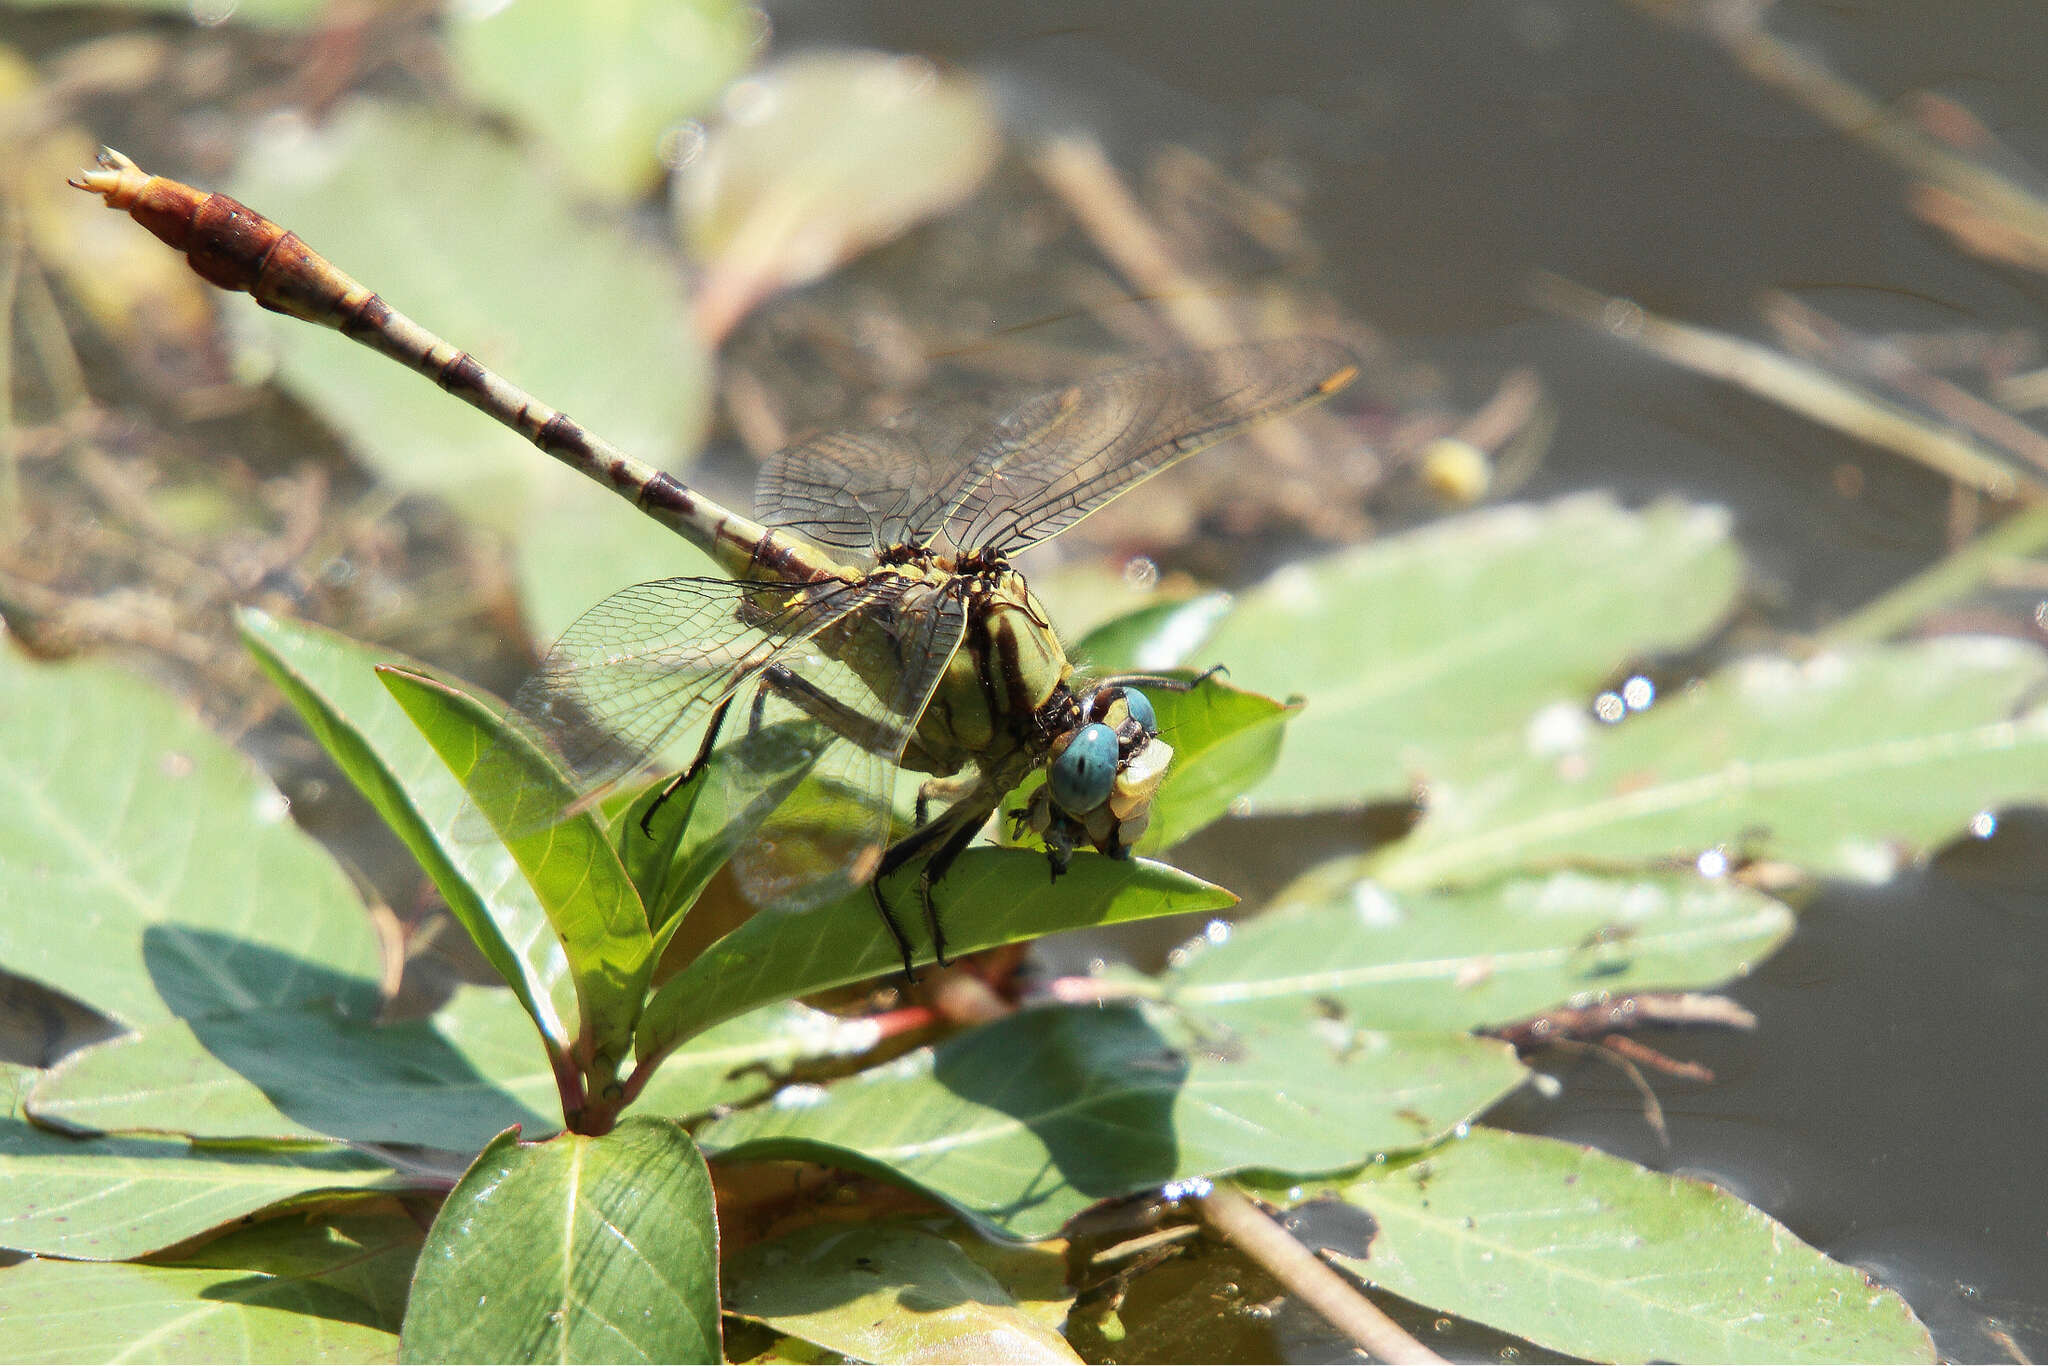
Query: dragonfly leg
point(675, 784)
point(935, 868)
point(941, 790)
point(895, 930)
point(820, 706)
point(943, 840)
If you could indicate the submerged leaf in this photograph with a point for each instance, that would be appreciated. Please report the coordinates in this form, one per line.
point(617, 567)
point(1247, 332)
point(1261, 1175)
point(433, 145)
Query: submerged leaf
point(1435, 648)
point(1486, 956)
point(147, 870)
point(450, 1081)
point(108, 1198)
point(1844, 764)
point(96, 1311)
point(603, 79)
point(886, 1293)
point(1023, 1123)
point(1596, 1257)
point(818, 158)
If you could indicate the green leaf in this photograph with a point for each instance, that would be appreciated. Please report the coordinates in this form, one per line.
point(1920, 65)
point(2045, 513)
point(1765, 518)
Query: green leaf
point(821, 157)
point(1841, 764)
point(1156, 636)
point(364, 1250)
point(990, 897)
point(738, 1060)
point(571, 866)
point(564, 301)
point(1023, 1123)
point(886, 1293)
point(1473, 959)
point(577, 1249)
point(145, 867)
point(1437, 646)
point(449, 1082)
point(441, 1082)
point(332, 682)
point(109, 1198)
point(600, 81)
point(697, 830)
point(95, 1311)
point(1597, 1258)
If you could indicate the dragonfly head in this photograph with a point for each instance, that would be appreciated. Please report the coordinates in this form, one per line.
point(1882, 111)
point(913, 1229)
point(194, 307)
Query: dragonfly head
point(1099, 784)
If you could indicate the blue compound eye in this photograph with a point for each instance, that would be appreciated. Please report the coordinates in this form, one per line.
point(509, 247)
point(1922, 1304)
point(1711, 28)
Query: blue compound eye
point(1140, 708)
point(1082, 776)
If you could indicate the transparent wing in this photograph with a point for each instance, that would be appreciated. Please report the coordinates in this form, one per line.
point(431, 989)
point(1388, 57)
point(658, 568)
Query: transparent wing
point(1095, 439)
point(649, 663)
point(861, 688)
point(865, 489)
point(1006, 473)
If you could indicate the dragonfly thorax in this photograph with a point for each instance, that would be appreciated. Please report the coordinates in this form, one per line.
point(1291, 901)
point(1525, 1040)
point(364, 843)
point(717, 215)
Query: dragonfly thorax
point(1003, 697)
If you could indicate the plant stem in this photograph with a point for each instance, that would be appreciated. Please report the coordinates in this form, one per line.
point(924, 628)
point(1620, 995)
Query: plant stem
point(1307, 1277)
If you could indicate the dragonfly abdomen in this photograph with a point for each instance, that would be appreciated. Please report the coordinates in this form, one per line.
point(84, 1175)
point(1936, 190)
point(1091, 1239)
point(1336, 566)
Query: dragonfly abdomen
point(232, 246)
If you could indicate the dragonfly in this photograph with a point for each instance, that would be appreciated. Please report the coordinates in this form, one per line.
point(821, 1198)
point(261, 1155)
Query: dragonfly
point(872, 601)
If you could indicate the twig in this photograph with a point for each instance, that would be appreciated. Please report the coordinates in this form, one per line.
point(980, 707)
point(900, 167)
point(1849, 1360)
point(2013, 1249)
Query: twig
point(1961, 572)
point(1242, 1224)
point(1653, 1109)
point(1791, 383)
point(1887, 364)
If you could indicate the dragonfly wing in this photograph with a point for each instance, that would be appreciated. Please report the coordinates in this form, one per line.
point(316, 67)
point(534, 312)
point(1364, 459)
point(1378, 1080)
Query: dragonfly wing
point(866, 489)
point(649, 663)
point(1061, 455)
point(865, 683)
point(1009, 470)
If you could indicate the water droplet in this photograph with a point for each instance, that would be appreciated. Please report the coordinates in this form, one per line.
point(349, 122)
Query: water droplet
point(1984, 825)
point(1712, 863)
point(681, 144)
point(1623, 317)
point(1461, 1130)
point(212, 13)
point(801, 1096)
point(1141, 573)
point(750, 100)
point(1610, 707)
point(1217, 932)
point(1556, 729)
point(1639, 692)
point(1441, 1326)
point(760, 28)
